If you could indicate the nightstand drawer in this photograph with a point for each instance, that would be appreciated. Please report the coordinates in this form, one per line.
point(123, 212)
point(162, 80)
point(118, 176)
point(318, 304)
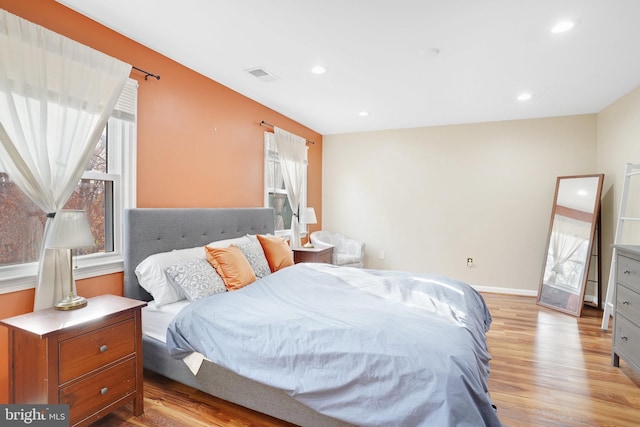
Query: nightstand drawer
point(322, 255)
point(627, 302)
point(90, 351)
point(628, 272)
point(100, 390)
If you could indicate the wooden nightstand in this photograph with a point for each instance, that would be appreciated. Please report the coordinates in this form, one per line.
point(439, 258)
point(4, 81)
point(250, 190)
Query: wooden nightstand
point(313, 255)
point(90, 358)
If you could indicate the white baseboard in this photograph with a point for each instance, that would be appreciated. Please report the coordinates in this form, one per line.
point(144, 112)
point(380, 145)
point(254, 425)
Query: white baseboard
point(506, 291)
point(522, 292)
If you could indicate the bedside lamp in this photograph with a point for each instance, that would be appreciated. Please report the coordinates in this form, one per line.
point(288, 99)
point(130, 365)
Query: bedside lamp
point(309, 217)
point(70, 230)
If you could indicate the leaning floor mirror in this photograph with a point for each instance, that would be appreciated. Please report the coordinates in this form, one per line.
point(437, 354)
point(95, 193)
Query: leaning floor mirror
point(574, 218)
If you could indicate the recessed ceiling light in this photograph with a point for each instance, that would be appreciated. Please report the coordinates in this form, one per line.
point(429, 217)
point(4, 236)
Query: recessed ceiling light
point(431, 52)
point(363, 113)
point(524, 96)
point(319, 69)
point(563, 26)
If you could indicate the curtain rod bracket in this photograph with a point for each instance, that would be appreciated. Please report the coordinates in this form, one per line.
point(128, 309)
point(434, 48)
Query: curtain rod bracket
point(263, 123)
point(146, 73)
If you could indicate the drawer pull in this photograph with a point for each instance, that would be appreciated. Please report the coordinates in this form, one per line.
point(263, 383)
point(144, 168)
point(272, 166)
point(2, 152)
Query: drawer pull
point(627, 272)
point(103, 348)
point(625, 303)
point(623, 338)
point(104, 390)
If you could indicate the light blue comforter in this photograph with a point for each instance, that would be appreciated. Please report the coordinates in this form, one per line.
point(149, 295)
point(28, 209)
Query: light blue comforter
point(369, 347)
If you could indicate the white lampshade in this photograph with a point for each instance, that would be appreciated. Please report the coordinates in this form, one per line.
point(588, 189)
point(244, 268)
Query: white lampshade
point(309, 216)
point(69, 230)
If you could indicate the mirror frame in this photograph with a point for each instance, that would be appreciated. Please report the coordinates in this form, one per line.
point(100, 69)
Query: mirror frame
point(593, 219)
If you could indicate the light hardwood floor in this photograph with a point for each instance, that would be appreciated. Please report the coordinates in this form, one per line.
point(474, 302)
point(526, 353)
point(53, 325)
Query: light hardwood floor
point(549, 369)
point(552, 369)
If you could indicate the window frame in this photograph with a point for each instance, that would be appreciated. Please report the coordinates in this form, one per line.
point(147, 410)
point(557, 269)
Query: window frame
point(268, 154)
point(122, 158)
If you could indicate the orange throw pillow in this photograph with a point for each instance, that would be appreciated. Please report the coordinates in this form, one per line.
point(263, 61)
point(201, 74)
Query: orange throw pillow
point(277, 251)
point(232, 266)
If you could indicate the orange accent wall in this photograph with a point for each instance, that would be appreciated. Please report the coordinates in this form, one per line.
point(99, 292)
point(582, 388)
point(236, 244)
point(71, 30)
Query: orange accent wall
point(199, 142)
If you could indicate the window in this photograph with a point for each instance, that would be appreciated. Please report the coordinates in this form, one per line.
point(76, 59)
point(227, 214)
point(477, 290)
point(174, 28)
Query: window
point(275, 194)
point(105, 189)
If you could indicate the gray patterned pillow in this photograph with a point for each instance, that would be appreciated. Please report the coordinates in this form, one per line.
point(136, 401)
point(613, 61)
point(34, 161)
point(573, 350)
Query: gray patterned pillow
point(197, 279)
point(253, 252)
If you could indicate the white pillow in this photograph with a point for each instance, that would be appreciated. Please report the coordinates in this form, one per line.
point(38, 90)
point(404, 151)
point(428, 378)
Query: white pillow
point(153, 278)
point(228, 242)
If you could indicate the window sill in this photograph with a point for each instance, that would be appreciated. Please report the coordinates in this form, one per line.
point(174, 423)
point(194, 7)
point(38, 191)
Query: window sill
point(86, 268)
point(287, 233)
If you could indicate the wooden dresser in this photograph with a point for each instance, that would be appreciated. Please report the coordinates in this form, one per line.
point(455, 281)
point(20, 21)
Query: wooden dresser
point(90, 358)
point(626, 321)
point(313, 255)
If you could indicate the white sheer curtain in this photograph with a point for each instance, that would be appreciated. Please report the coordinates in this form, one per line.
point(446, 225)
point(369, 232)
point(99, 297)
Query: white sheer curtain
point(564, 245)
point(274, 178)
point(56, 96)
point(292, 151)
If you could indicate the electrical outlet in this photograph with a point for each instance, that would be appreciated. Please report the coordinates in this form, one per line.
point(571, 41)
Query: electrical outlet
point(469, 262)
point(381, 255)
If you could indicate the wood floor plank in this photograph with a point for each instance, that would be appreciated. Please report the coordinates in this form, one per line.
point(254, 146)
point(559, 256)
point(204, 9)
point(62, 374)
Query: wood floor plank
point(549, 369)
point(552, 369)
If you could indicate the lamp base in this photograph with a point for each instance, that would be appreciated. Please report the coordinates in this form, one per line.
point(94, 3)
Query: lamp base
point(72, 302)
point(308, 245)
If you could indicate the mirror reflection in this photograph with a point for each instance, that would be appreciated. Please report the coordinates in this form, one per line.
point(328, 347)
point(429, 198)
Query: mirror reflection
point(569, 245)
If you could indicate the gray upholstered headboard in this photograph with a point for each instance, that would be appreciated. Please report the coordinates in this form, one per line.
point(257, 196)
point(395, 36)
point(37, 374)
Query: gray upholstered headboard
point(152, 230)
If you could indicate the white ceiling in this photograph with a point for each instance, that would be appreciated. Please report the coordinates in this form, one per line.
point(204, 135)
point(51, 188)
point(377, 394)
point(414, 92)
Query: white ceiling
point(379, 55)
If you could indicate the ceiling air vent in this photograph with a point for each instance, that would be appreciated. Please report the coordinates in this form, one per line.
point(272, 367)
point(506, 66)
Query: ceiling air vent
point(262, 74)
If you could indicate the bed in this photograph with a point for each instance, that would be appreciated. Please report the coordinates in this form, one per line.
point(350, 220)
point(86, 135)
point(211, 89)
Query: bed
point(298, 399)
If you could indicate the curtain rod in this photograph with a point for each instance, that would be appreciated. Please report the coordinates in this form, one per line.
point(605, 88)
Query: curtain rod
point(263, 123)
point(147, 74)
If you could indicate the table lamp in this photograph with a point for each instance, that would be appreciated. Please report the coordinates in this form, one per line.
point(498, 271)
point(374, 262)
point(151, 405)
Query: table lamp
point(70, 230)
point(309, 217)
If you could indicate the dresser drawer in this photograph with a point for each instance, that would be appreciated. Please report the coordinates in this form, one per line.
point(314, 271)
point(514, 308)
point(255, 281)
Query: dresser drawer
point(90, 351)
point(99, 390)
point(628, 272)
point(627, 339)
point(628, 303)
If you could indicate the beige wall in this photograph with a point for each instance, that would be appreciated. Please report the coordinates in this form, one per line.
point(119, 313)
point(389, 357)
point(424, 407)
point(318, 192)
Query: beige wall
point(618, 144)
point(431, 197)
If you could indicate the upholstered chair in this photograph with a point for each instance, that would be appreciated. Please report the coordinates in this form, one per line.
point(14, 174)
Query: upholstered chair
point(346, 251)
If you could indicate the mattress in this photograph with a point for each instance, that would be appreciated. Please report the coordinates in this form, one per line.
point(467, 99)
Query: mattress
point(155, 320)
